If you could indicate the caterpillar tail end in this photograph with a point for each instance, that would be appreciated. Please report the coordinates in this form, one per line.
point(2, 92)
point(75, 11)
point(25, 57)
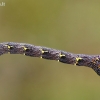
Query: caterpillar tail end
point(97, 70)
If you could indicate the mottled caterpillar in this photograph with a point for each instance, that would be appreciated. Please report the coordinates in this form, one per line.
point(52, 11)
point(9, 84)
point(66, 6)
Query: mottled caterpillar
point(92, 61)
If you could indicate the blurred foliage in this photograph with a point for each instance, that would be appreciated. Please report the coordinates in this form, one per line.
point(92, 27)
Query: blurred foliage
point(70, 25)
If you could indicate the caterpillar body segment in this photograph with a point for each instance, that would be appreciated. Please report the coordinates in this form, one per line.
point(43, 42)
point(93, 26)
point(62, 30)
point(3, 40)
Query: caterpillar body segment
point(92, 61)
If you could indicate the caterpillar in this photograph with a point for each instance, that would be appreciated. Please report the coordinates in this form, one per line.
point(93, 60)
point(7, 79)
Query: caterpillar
point(92, 61)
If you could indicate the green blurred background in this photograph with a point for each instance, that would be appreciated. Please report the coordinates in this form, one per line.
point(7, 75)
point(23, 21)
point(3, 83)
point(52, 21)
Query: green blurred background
point(70, 25)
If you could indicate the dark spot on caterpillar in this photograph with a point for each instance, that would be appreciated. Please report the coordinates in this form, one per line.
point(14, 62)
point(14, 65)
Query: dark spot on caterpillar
point(63, 57)
point(79, 62)
point(45, 53)
point(27, 50)
point(11, 48)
